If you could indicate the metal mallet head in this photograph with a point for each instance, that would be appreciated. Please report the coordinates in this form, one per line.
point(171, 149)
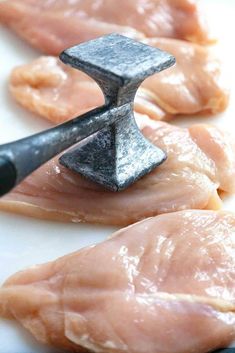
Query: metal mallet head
point(113, 152)
point(118, 155)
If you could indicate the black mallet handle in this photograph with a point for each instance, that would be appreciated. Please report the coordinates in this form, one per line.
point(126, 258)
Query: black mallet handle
point(20, 158)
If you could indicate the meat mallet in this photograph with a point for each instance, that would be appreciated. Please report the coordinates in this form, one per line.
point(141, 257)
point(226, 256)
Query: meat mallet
point(110, 148)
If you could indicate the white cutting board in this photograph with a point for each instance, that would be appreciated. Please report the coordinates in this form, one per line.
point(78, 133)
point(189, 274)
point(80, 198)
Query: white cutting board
point(24, 241)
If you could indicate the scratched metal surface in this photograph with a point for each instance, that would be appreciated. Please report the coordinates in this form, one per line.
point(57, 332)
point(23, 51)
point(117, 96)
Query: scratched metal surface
point(23, 241)
point(119, 65)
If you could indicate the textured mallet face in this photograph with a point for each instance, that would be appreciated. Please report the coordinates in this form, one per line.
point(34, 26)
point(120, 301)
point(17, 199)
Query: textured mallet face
point(116, 57)
point(120, 155)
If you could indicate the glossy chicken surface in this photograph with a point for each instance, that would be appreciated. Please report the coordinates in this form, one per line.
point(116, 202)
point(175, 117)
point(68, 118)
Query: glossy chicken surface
point(162, 285)
point(195, 85)
point(200, 162)
point(57, 92)
point(53, 25)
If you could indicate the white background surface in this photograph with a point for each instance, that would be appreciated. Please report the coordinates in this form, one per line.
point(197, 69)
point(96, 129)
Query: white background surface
point(25, 241)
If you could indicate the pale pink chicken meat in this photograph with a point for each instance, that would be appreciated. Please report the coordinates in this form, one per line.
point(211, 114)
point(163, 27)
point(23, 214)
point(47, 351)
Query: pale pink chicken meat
point(54, 25)
point(57, 92)
point(196, 84)
point(200, 162)
point(163, 285)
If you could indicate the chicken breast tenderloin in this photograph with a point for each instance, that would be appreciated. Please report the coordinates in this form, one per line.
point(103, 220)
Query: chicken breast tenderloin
point(54, 25)
point(57, 92)
point(163, 285)
point(200, 162)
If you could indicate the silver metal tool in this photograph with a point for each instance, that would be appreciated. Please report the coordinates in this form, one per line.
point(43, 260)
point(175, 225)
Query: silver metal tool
point(116, 154)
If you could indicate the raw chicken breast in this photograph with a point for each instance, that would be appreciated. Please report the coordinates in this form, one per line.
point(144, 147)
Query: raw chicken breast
point(162, 285)
point(57, 92)
point(54, 25)
point(200, 161)
point(196, 84)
